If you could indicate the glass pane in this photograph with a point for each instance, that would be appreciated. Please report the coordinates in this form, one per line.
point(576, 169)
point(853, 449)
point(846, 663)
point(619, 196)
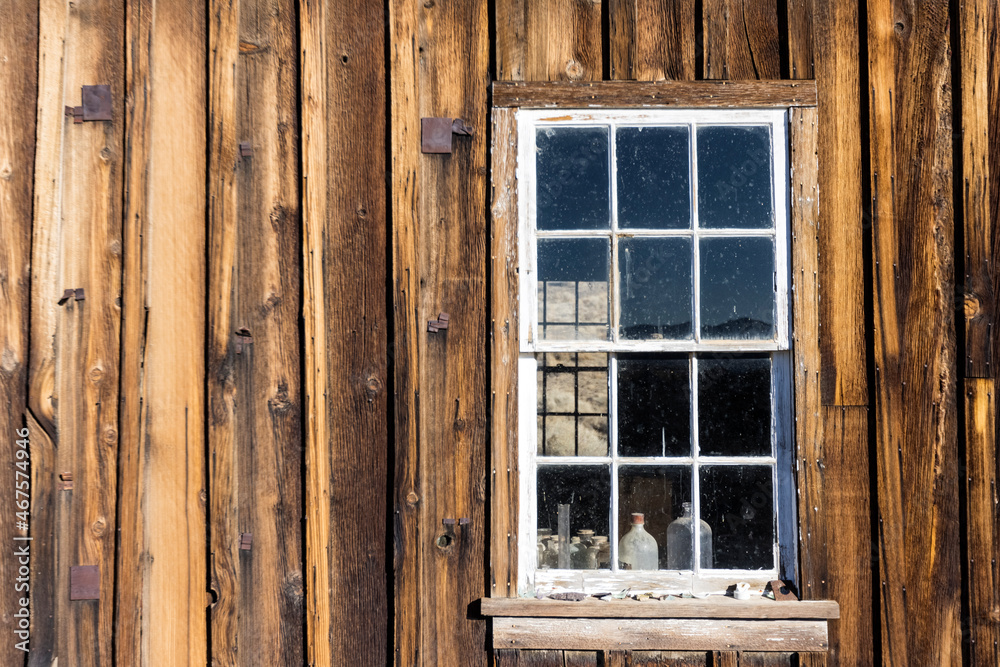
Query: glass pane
point(656, 492)
point(572, 404)
point(654, 183)
point(737, 288)
point(656, 288)
point(734, 406)
point(734, 177)
point(586, 490)
point(573, 180)
point(573, 289)
point(737, 502)
point(654, 405)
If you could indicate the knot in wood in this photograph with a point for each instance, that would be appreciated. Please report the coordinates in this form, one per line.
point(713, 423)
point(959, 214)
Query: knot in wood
point(972, 305)
point(574, 70)
point(110, 436)
point(6, 173)
point(96, 373)
point(99, 526)
point(412, 498)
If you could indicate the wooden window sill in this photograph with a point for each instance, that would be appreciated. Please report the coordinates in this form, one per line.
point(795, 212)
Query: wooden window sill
point(717, 623)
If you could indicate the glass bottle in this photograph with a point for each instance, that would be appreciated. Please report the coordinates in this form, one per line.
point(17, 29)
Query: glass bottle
point(638, 548)
point(680, 541)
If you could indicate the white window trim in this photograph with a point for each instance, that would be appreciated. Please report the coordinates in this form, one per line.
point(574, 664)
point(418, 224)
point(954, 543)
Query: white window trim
point(530, 579)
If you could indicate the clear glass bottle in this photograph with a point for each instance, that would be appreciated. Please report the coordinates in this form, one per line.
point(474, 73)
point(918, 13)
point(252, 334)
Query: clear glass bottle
point(638, 548)
point(680, 542)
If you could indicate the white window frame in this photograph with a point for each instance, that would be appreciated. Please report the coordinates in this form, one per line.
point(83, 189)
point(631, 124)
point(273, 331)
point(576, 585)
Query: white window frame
point(532, 580)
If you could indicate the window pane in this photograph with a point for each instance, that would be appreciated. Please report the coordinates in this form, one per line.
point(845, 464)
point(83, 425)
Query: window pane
point(734, 177)
point(572, 404)
point(573, 289)
point(734, 406)
point(656, 492)
point(573, 182)
point(656, 288)
point(587, 492)
point(654, 405)
point(737, 288)
point(654, 183)
point(737, 502)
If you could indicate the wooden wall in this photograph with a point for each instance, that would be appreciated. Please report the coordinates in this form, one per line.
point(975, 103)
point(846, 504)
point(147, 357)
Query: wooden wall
point(251, 353)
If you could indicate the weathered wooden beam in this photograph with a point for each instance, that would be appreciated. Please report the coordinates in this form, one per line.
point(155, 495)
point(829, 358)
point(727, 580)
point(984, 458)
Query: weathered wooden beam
point(669, 659)
point(439, 265)
point(160, 603)
point(800, 39)
point(659, 634)
point(611, 94)
point(253, 355)
point(548, 41)
point(19, 80)
point(715, 607)
point(915, 364)
point(741, 40)
point(653, 40)
point(346, 328)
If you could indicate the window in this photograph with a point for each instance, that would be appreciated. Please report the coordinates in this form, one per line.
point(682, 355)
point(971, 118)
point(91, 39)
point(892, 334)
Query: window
point(655, 361)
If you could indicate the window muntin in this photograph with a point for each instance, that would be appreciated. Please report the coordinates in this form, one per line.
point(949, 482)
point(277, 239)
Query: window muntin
point(638, 294)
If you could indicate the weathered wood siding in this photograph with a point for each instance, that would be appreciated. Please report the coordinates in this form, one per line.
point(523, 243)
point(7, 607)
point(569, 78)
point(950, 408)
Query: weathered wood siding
point(251, 356)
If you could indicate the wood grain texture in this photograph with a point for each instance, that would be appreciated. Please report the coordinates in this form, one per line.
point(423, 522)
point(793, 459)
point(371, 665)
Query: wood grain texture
point(76, 242)
point(659, 634)
point(915, 364)
point(714, 607)
point(504, 354)
point(983, 522)
point(580, 659)
point(668, 659)
point(255, 441)
point(439, 67)
point(506, 657)
point(346, 328)
point(548, 41)
point(653, 40)
point(616, 658)
point(44, 502)
point(161, 556)
point(800, 39)
point(741, 40)
point(612, 94)
point(19, 80)
point(980, 228)
point(841, 276)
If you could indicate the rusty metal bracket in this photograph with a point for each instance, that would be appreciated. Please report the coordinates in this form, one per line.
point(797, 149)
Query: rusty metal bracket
point(246, 149)
point(78, 294)
point(780, 591)
point(436, 133)
point(66, 480)
point(433, 326)
point(67, 295)
point(96, 104)
point(84, 582)
point(246, 541)
point(242, 338)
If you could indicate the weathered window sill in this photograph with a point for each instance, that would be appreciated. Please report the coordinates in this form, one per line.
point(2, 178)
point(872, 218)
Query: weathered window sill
point(717, 623)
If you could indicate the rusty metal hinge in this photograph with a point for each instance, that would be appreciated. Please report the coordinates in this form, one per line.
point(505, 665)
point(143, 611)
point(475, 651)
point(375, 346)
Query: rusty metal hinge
point(96, 104)
point(441, 322)
point(246, 541)
point(84, 582)
point(436, 133)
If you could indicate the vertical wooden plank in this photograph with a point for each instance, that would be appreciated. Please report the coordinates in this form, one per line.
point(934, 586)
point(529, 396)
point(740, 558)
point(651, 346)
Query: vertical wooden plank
point(741, 39)
point(19, 80)
point(504, 353)
point(669, 659)
point(915, 361)
point(983, 521)
point(44, 499)
point(439, 66)
point(537, 658)
point(842, 338)
point(759, 659)
point(980, 306)
point(344, 314)
point(506, 657)
point(616, 659)
point(653, 40)
point(579, 659)
point(832, 443)
point(77, 243)
point(801, 39)
point(255, 443)
point(161, 560)
point(548, 41)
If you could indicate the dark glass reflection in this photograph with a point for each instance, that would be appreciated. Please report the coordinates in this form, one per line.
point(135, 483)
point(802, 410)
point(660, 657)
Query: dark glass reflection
point(573, 289)
point(734, 405)
point(654, 405)
point(586, 489)
point(655, 288)
point(657, 492)
point(654, 183)
point(572, 175)
point(737, 288)
point(737, 502)
point(734, 177)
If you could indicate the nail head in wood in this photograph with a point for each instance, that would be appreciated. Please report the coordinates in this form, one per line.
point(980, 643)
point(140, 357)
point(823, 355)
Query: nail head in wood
point(246, 150)
point(96, 102)
point(84, 582)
